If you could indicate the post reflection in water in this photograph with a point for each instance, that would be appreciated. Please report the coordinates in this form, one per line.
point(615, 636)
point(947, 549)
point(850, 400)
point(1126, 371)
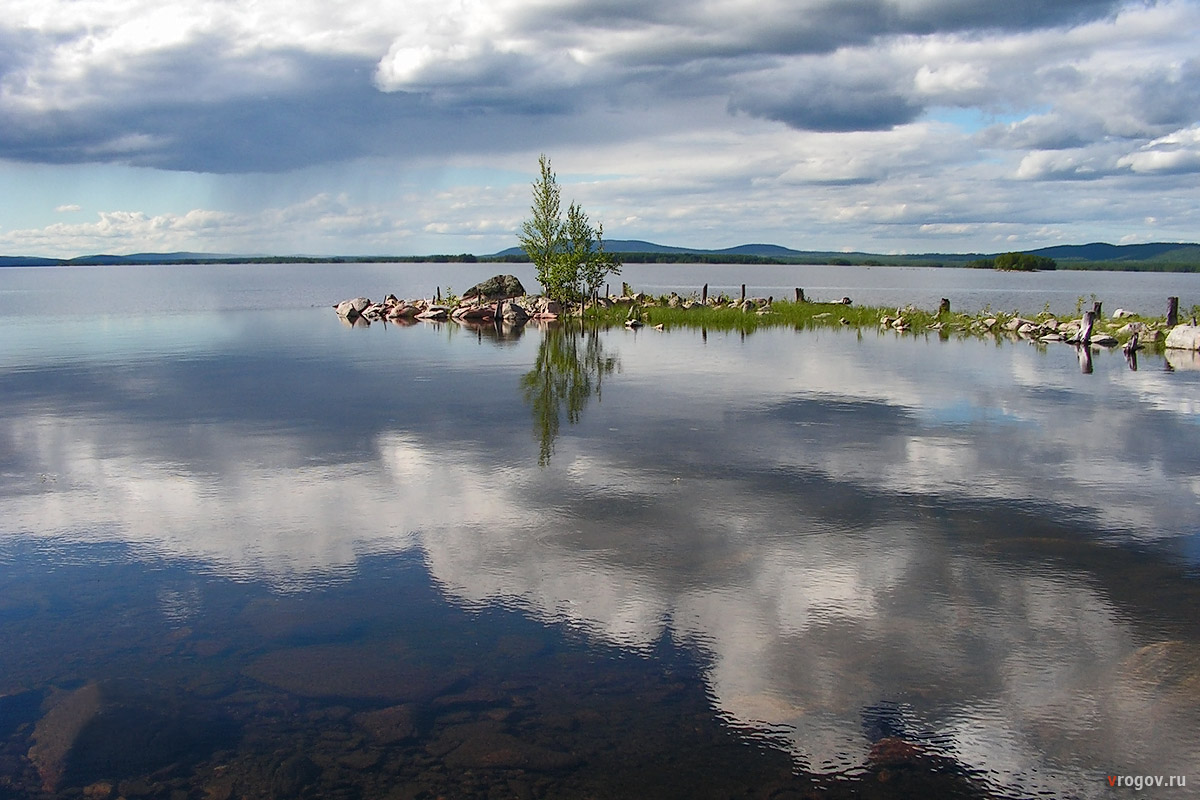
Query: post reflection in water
point(765, 566)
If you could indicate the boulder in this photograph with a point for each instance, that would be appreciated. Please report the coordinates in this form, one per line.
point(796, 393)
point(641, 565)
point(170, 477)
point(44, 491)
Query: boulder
point(497, 287)
point(1104, 340)
point(1184, 337)
point(545, 308)
point(118, 729)
point(512, 312)
point(403, 311)
point(475, 312)
point(1121, 313)
point(1131, 328)
point(350, 309)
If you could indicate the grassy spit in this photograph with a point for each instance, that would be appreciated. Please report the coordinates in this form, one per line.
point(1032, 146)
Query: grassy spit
point(724, 313)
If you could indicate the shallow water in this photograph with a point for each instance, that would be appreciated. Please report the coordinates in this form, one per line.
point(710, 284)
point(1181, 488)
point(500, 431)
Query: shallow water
point(260, 553)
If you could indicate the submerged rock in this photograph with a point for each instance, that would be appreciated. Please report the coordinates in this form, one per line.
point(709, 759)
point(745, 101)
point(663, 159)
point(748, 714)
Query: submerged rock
point(387, 671)
point(388, 725)
point(486, 745)
point(118, 729)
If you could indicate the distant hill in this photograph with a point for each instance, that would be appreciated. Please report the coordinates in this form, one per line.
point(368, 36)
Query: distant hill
point(1158, 256)
point(1101, 251)
point(1182, 256)
point(28, 261)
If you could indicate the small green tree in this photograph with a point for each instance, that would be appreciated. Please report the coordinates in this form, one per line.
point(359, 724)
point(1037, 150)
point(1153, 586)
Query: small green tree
point(569, 256)
point(543, 234)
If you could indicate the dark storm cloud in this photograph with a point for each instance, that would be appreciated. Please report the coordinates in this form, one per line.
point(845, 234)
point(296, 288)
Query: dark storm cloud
point(329, 112)
point(825, 103)
point(220, 102)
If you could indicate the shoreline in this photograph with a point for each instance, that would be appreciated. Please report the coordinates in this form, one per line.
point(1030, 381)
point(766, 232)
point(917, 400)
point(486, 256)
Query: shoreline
point(721, 312)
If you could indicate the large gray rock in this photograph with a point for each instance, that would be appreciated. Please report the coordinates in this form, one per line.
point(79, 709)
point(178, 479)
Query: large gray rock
point(1184, 337)
point(349, 309)
point(497, 287)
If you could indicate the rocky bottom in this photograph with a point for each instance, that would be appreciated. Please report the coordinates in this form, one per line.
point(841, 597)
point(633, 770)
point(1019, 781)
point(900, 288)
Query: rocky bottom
point(445, 738)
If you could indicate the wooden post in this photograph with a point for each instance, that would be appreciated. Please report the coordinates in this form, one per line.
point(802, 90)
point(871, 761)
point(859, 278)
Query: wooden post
point(1131, 347)
point(799, 295)
point(743, 293)
point(944, 307)
point(1172, 312)
point(704, 295)
point(1096, 309)
point(439, 295)
point(1085, 333)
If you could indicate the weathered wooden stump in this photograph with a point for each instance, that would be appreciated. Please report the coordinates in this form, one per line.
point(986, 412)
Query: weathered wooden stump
point(704, 295)
point(1084, 337)
point(1172, 312)
point(799, 295)
point(743, 294)
point(1097, 309)
point(944, 306)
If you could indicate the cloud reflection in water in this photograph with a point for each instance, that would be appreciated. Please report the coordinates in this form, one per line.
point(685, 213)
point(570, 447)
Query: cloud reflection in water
point(836, 525)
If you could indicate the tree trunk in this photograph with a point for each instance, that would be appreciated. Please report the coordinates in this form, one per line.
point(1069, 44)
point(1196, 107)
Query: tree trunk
point(1097, 309)
point(944, 306)
point(1172, 312)
point(799, 295)
point(704, 295)
point(743, 293)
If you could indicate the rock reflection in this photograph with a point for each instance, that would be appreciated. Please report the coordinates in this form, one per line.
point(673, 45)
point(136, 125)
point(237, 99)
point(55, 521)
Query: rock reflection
point(496, 332)
point(571, 366)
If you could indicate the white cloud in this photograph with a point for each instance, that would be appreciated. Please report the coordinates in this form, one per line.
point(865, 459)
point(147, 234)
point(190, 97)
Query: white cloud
point(1176, 152)
point(641, 96)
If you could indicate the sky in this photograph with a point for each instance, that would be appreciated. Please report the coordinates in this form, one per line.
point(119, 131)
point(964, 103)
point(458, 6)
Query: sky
point(409, 127)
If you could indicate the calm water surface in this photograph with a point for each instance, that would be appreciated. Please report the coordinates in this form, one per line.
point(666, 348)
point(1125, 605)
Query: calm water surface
point(248, 551)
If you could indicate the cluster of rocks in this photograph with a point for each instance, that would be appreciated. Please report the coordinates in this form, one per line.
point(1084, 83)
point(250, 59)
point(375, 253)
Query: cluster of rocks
point(501, 298)
point(759, 305)
point(1101, 334)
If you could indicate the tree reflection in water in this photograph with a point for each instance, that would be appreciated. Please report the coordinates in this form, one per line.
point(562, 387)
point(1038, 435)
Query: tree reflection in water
point(570, 368)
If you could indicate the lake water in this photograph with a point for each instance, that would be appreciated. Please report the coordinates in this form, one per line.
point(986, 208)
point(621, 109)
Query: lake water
point(249, 551)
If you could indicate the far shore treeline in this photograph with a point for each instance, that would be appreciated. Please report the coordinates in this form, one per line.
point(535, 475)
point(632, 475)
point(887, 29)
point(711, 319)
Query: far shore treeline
point(1153, 257)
